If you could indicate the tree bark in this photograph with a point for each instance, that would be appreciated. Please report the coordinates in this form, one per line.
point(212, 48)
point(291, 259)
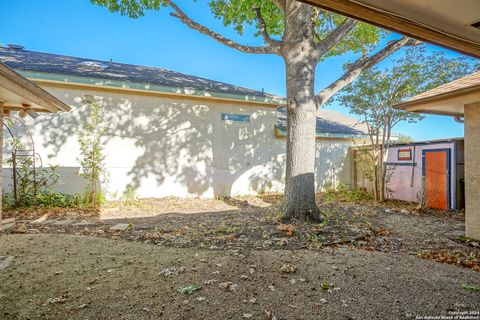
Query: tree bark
point(298, 53)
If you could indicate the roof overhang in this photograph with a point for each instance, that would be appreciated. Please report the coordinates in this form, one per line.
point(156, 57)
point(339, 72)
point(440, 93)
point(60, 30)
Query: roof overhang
point(18, 93)
point(450, 103)
point(445, 23)
point(71, 81)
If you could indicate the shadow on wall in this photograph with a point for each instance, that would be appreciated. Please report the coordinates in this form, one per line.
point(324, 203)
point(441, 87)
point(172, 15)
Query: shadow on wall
point(332, 164)
point(170, 147)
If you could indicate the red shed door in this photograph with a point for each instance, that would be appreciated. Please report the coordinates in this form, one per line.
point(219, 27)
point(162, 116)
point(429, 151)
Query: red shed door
point(436, 179)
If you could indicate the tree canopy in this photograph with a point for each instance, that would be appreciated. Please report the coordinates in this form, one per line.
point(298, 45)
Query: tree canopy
point(267, 16)
point(412, 73)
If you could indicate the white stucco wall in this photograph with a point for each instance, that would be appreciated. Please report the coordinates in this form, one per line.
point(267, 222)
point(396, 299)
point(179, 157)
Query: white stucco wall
point(171, 147)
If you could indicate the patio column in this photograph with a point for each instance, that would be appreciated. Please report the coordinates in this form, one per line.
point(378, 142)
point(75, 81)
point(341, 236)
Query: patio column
point(472, 170)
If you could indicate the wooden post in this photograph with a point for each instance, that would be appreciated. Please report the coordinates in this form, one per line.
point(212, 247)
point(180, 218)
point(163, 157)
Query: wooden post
point(354, 166)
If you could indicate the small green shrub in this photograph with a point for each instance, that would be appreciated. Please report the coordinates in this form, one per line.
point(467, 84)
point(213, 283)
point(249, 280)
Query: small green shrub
point(90, 139)
point(220, 198)
point(129, 196)
point(188, 290)
point(89, 200)
point(43, 199)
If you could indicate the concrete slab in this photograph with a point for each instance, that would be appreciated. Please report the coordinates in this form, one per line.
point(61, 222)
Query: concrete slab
point(9, 220)
point(63, 222)
point(120, 227)
point(4, 227)
point(41, 219)
point(5, 261)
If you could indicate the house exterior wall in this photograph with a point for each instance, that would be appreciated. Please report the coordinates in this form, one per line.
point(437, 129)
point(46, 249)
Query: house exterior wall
point(405, 178)
point(173, 147)
point(472, 170)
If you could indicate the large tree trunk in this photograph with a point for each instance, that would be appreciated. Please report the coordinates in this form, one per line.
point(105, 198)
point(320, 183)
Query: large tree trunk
point(299, 201)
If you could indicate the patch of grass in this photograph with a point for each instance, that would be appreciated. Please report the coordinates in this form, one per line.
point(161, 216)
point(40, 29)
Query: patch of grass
point(316, 238)
point(188, 290)
point(470, 288)
point(341, 193)
point(468, 241)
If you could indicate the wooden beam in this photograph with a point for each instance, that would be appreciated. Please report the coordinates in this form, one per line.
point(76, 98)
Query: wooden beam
point(20, 86)
point(16, 107)
point(397, 24)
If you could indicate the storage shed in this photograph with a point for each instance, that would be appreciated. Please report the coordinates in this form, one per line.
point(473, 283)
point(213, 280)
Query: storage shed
point(428, 172)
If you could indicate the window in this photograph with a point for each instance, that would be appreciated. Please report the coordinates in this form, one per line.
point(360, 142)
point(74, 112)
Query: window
point(235, 117)
point(404, 154)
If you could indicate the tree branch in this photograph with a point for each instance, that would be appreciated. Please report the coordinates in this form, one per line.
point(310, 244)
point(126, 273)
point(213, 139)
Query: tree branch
point(362, 64)
point(280, 4)
point(334, 37)
point(179, 14)
point(263, 29)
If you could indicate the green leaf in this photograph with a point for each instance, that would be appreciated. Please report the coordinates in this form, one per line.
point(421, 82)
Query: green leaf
point(470, 288)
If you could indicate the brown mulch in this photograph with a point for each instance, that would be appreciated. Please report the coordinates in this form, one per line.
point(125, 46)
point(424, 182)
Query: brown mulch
point(246, 223)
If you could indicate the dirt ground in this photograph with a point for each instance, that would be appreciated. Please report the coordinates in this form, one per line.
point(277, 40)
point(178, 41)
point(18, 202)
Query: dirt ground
point(363, 262)
point(76, 277)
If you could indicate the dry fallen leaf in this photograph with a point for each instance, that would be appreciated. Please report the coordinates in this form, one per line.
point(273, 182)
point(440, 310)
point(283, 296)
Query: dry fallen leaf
point(230, 286)
point(288, 268)
point(287, 228)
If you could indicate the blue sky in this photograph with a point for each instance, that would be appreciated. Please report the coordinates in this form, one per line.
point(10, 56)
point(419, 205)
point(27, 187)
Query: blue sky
point(78, 28)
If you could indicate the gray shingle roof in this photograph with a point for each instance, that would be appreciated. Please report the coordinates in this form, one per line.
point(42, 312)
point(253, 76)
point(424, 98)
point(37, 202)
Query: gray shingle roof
point(21, 59)
point(325, 126)
point(471, 81)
